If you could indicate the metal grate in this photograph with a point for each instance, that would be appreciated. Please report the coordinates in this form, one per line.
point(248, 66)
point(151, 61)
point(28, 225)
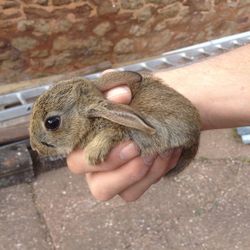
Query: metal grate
point(19, 104)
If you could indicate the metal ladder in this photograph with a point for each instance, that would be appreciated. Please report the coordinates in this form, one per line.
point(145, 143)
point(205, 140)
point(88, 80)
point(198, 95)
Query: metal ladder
point(19, 103)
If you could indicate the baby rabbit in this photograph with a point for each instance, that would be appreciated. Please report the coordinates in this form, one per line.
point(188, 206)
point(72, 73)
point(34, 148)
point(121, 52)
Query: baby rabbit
point(74, 114)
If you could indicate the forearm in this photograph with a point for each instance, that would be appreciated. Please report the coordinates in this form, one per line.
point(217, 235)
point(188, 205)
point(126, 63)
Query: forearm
point(219, 87)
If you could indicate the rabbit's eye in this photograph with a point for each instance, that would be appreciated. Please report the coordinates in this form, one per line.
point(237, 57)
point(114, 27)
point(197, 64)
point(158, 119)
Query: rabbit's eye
point(53, 122)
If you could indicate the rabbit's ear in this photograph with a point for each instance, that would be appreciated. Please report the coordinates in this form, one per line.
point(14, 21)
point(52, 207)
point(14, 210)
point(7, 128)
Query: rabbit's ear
point(117, 78)
point(121, 114)
point(70, 89)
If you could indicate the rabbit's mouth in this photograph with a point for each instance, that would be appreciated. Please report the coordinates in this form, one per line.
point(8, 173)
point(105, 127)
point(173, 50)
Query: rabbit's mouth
point(47, 144)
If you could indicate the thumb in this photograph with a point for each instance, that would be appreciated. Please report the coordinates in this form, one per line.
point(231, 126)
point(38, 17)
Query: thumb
point(121, 94)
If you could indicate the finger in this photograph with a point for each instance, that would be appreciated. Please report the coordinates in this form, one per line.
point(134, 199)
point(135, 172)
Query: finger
point(174, 159)
point(118, 156)
point(172, 163)
point(105, 185)
point(161, 166)
point(107, 71)
point(121, 94)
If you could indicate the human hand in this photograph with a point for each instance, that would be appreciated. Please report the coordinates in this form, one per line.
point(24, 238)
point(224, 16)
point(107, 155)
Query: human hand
point(125, 172)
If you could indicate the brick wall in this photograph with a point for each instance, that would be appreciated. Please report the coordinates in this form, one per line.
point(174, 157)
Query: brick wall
point(44, 37)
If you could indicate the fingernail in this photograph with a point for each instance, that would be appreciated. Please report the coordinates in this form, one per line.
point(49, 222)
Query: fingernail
point(148, 160)
point(117, 92)
point(166, 154)
point(128, 152)
point(176, 153)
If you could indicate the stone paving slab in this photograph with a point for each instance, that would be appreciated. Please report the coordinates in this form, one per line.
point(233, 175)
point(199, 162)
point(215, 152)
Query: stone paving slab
point(205, 207)
point(21, 226)
point(221, 144)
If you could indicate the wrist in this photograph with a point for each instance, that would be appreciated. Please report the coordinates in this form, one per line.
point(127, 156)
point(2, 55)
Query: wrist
point(178, 80)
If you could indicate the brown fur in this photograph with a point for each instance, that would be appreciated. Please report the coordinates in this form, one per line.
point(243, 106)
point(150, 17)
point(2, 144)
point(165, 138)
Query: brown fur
point(158, 118)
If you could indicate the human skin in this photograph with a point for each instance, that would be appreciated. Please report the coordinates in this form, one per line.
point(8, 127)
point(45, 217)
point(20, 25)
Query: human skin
point(219, 87)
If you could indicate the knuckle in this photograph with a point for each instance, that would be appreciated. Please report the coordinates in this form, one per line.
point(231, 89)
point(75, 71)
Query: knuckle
point(72, 166)
point(126, 196)
point(99, 192)
point(101, 195)
point(137, 171)
point(157, 171)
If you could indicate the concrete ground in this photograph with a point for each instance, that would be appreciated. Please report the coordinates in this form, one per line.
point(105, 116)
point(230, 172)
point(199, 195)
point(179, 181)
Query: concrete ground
point(205, 207)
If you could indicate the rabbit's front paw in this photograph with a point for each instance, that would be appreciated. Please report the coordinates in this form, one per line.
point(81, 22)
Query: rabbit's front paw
point(95, 156)
point(98, 149)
